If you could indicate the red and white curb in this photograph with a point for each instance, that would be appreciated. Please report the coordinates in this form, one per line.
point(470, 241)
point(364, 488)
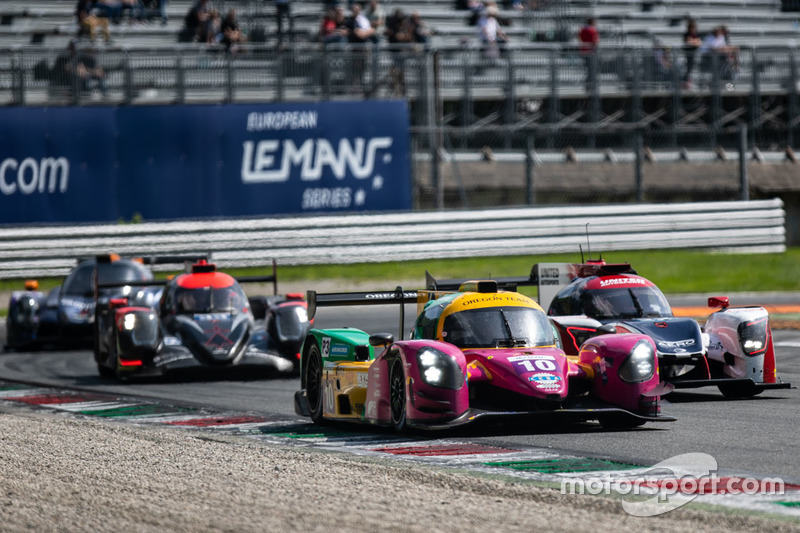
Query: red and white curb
point(568, 473)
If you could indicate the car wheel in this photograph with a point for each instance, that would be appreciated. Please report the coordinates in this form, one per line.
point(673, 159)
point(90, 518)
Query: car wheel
point(104, 371)
point(313, 379)
point(397, 395)
point(738, 390)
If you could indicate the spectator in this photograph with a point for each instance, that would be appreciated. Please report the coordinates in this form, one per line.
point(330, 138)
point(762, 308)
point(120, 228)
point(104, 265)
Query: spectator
point(162, 11)
point(211, 29)
point(662, 62)
point(232, 36)
point(89, 22)
point(333, 28)
point(283, 10)
point(589, 39)
point(376, 17)
point(79, 71)
point(194, 21)
point(135, 9)
point(716, 53)
point(361, 31)
point(476, 10)
point(691, 43)
point(731, 52)
point(404, 30)
point(109, 9)
point(419, 29)
point(493, 38)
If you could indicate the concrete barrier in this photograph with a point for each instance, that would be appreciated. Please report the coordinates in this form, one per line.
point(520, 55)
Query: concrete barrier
point(755, 226)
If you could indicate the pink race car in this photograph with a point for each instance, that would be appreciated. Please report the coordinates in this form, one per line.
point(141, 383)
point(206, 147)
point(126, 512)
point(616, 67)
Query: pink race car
point(475, 353)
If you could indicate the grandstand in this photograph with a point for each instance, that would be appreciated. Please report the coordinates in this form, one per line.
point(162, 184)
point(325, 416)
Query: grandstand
point(538, 87)
point(752, 22)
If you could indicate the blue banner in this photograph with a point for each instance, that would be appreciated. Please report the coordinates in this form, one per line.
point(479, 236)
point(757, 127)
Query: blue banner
point(171, 162)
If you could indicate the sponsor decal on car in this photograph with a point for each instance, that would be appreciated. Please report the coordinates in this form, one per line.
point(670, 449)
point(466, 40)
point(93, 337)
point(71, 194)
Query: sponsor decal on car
point(339, 349)
point(326, 347)
point(677, 344)
point(545, 380)
point(530, 357)
point(625, 282)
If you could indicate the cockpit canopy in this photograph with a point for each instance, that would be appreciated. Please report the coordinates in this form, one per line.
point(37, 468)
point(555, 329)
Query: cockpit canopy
point(230, 299)
point(485, 320)
point(498, 327)
point(80, 281)
point(611, 297)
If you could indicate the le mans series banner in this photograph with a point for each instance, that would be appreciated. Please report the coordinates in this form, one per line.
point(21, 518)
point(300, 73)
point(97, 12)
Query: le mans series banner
point(171, 162)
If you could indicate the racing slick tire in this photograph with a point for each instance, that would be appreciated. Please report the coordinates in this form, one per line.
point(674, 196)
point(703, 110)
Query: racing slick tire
point(734, 391)
point(397, 395)
point(313, 379)
point(104, 371)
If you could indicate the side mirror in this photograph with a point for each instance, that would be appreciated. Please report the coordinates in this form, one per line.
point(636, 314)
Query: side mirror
point(606, 329)
point(719, 301)
point(381, 339)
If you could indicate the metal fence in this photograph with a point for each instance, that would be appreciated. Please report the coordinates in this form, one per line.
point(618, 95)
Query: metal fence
point(545, 85)
point(530, 100)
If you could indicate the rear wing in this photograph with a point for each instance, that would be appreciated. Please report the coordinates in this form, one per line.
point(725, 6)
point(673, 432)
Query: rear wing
point(549, 278)
point(506, 284)
point(188, 262)
point(398, 296)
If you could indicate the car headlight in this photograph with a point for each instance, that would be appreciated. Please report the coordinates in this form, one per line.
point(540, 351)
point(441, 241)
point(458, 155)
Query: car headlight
point(638, 366)
point(25, 310)
point(439, 369)
point(129, 322)
point(753, 336)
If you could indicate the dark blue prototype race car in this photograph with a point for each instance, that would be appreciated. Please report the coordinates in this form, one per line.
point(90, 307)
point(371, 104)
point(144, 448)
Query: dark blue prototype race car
point(64, 317)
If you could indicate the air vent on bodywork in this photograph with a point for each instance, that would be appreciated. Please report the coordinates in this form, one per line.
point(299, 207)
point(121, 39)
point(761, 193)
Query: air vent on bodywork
point(203, 266)
point(361, 352)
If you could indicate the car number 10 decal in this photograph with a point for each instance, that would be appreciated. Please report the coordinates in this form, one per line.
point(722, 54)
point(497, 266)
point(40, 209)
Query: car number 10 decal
point(535, 365)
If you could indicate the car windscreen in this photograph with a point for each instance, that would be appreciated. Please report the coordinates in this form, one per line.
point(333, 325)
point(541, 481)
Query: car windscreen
point(630, 302)
point(498, 327)
point(81, 281)
point(210, 300)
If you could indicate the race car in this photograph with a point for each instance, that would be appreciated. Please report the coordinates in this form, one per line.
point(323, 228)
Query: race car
point(475, 354)
point(64, 317)
point(733, 351)
point(202, 323)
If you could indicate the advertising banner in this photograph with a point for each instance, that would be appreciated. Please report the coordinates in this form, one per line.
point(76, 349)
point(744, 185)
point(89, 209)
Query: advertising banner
point(172, 162)
point(57, 166)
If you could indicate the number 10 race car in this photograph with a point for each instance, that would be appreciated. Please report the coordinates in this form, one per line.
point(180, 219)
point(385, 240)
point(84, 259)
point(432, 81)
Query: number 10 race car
point(477, 353)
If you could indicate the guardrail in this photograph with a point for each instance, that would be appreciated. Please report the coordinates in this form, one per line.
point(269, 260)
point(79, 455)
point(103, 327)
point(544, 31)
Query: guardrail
point(755, 226)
